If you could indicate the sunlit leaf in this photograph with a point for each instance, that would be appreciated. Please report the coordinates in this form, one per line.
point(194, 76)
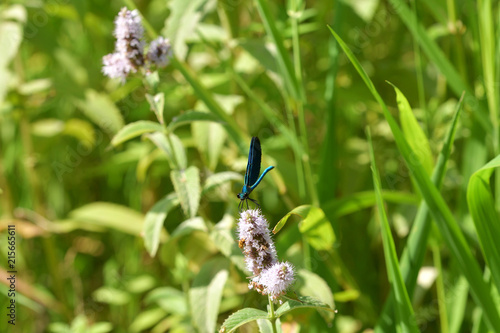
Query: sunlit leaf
point(110, 215)
point(173, 148)
point(157, 102)
point(187, 186)
point(99, 108)
point(206, 292)
point(147, 319)
point(241, 317)
point(135, 129)
point(153, 222)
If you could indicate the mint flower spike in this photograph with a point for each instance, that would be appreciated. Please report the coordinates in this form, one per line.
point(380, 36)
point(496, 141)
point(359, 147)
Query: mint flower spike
point(117, 65)
point(255, 241)
point(129, 47)
point(160, 52)
point(129, 34)
point(275, 280)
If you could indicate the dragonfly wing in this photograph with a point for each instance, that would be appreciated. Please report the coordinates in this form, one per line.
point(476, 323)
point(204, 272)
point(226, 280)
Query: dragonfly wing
point(254, 159)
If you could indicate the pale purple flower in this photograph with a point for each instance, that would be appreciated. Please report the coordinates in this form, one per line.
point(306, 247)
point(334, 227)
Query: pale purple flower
point(129, 48)
point(275, 280)
point(255, 241)
point(160, 52)
point(129, 34)
point(116, 65)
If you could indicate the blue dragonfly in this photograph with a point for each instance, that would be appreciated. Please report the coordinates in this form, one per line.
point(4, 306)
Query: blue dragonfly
point(252, 178)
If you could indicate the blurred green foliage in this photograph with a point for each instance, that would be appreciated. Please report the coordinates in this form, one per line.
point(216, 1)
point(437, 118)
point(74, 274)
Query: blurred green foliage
point(134, 231)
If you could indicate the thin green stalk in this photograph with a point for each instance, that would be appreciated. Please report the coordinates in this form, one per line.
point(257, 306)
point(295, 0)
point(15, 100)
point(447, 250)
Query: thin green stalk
point(229, 124)
point(301, 185)
point(420, 73)
point(459, 50)
point(272, 316)
point(441, 297)
point(307, 253)
point(49, 248)
point(487, 43)
point(294, 16)
point(306, 157)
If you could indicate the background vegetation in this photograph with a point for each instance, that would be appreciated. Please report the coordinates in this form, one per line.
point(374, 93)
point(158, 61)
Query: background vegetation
point(105, 241)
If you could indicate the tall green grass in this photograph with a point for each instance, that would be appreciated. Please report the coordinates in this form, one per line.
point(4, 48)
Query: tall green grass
point(123, 196)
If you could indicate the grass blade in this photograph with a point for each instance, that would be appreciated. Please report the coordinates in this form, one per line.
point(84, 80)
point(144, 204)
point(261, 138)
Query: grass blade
point(405, 318)
point(283, 57)
point(482, 208)
point(413, 254)
point(439, 210)
point(413, 132)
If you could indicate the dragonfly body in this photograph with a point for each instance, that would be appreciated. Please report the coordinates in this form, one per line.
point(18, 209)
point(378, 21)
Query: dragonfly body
point(252, 178)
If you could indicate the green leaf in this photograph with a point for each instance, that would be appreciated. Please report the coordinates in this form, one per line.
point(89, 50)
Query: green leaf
point(147, 319)
point(111, 295)
point(47, 127)
point(413, 133)
point(206, 293)
point(11, 36)
point(189, 226)
point(317, 229)
point(305, 302)
point(153, 222)
point(242, 317)
point(172, 146)
point(222, 236)
point(189, 117)
point(135, 129)
point(81, 130)
point(169, 299)
point(486, 218)
point(309, 283)
point(182, 22)
point(209, 138)
point(439, 210)
point(361, 200)
point(314, 226)
point(456, 298)
point(99, 108)
point(188, 189)
point(109, 215)
point(218, 179)
point(157, 103)
point(405, 317)
point(34, 87)
point(140, 284)
point(300, 211)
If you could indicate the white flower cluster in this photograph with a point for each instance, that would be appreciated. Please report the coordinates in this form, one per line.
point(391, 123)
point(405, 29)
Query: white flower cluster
point(129, 48)
point(270, 276)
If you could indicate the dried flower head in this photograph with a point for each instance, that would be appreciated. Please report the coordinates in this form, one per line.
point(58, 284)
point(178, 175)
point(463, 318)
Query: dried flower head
point(255, 241)
point(274, 281)
point(160, 52)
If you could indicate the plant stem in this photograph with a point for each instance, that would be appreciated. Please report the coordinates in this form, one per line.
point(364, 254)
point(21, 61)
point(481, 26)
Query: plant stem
point(272, 316)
